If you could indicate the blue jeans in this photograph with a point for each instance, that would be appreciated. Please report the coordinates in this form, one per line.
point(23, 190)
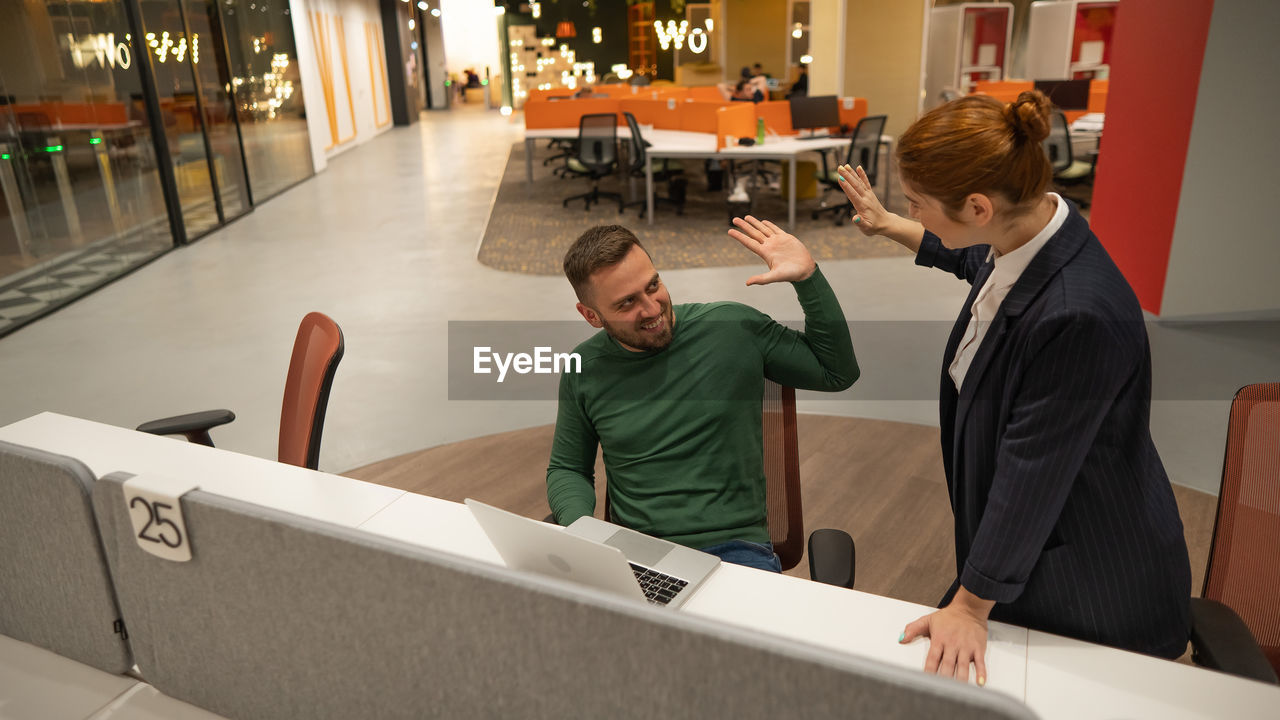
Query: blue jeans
point(741, 552)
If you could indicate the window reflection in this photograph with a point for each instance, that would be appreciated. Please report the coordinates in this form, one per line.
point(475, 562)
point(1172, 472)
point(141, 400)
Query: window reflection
point(268, 93)
point(81, 193)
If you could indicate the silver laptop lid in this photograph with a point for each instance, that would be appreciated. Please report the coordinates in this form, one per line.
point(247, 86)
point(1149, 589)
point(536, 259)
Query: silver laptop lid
point(538, 547)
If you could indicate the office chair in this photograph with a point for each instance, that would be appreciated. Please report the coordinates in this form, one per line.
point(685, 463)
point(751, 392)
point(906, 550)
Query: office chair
point(1236, 621)
point(832, 554)
point(1067, 170)
point(864, 150)
point(316, 352)
point(597, 156)
point(664, 170)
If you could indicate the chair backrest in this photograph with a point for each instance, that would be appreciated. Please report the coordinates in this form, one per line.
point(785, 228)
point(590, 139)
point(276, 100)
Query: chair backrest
point(637, 143)
point(864, 149)
point(280, 616)
point(1058, 145)
point(1244, 560)
point(55, 589)
point(598, 141)
point(782, 474)
point(316, 353)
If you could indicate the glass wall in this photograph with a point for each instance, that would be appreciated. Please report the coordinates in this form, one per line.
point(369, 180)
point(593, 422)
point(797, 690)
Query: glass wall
point(82, 141)
point(81, 195)
point(268, 89)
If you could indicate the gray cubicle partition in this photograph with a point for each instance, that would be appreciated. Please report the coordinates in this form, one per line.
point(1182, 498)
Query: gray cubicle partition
point(55, 591)
point(279, 616)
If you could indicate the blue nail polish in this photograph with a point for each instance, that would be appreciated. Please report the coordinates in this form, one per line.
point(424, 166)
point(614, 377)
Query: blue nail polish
point(902, 637)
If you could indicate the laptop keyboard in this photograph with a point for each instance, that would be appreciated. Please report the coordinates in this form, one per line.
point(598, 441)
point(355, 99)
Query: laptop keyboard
point(659, 588)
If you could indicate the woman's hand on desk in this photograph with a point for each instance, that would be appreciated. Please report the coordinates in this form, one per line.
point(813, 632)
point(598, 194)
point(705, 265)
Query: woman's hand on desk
point(788, 259)
point(957, 637)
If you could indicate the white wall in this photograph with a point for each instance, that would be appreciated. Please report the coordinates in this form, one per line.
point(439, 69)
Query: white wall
point(471, 35)
point(365, 90)
point(826, 45)
point(1225, 258)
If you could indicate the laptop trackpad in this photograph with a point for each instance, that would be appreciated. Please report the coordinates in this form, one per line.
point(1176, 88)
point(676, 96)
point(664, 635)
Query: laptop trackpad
point(639, 548)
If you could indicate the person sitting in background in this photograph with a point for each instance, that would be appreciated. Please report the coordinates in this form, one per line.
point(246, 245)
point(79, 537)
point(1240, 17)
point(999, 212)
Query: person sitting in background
point(800, 88)
point(754, 89)
point(473, 80)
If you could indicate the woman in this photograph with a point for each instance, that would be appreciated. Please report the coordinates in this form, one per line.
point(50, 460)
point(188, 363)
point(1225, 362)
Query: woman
point(1064, 517)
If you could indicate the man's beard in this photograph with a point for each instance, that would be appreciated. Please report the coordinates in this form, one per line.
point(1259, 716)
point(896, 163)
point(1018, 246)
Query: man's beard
point(633, 336)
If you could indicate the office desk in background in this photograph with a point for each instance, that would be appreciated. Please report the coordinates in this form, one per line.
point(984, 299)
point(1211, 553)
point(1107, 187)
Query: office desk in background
point(683, 144)
point(1057, 677)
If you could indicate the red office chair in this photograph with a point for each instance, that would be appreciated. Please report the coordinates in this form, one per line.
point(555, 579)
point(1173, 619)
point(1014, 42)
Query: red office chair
point(316, 353)
point(1236, 622)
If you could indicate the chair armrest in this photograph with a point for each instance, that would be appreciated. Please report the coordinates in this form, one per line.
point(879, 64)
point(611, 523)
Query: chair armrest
point(832, 558)
point(195, 426)
point(1220, 640)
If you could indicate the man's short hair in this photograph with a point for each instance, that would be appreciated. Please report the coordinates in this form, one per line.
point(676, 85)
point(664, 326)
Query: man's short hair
point(600, 247)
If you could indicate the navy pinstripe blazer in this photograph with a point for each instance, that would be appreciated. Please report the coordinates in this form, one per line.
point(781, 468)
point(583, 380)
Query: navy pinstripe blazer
point(1063, 512)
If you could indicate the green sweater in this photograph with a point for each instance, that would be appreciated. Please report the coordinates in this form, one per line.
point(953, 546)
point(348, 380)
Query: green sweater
point(681, 427)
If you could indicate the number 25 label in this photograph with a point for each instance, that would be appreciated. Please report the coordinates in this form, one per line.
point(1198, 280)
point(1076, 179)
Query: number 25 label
point(155, 510)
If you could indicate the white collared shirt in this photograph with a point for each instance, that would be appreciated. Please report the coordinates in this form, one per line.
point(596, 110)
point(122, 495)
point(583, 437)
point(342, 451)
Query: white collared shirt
point(1002, 279)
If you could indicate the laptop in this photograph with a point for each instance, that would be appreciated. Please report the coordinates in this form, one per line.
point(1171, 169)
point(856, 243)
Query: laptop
point(598, 554)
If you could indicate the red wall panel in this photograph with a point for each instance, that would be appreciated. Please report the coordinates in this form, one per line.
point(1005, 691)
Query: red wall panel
point(1155, 74)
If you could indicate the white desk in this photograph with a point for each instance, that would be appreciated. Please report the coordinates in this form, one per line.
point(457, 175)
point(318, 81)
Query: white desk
point(1057, 677)
point(684, 144)
point(106, 449)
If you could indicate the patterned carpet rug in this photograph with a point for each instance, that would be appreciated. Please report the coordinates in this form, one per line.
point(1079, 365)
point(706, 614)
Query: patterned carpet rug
point(529, 230)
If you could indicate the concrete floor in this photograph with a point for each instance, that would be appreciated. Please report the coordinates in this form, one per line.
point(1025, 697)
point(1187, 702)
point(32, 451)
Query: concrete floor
point(384, 240)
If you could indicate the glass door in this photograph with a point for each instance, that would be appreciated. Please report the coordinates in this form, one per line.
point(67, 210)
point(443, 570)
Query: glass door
point(213, 83)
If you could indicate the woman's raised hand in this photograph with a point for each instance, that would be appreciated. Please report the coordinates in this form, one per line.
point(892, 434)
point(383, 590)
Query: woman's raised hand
point(868, 214)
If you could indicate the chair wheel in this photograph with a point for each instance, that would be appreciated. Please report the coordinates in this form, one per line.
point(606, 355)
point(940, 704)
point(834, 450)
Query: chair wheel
point(813, 215)
point(840, 220)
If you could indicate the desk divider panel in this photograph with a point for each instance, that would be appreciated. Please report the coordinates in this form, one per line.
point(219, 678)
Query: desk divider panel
point(661, 114)
point(699, 116)
point(706, 93)
point(565, 113)
point(279, 616)
point(852, 109)
point(55, 590)
point(736, 120)
point(776, 115)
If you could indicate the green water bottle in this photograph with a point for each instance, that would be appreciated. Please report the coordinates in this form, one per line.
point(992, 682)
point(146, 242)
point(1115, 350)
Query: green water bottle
point(759, 131)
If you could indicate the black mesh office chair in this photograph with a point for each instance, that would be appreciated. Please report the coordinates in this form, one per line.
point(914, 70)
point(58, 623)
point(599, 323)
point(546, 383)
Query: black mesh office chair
point(1067, 169)
point(864, 150)
point(597, 156)
point(665, 170)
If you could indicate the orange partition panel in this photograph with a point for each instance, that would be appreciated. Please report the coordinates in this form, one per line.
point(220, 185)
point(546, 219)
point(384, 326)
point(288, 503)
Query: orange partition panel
point(613, 90)
point(1005, 91)
point(60, 113)
point(1098, 95)
point(709, 93)
point(736, 120)
point(699, 116)
point(663, 114)
point(563, 92)
point(852, 109)
point(565, 113)
point(777, 116)
point(663, 92)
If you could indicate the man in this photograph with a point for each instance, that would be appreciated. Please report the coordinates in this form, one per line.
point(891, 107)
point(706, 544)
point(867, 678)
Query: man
point(673, 393)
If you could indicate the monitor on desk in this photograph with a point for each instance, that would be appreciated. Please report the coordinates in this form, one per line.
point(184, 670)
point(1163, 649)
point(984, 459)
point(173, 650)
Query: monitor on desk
point(1066, 94)
point(810, 113)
